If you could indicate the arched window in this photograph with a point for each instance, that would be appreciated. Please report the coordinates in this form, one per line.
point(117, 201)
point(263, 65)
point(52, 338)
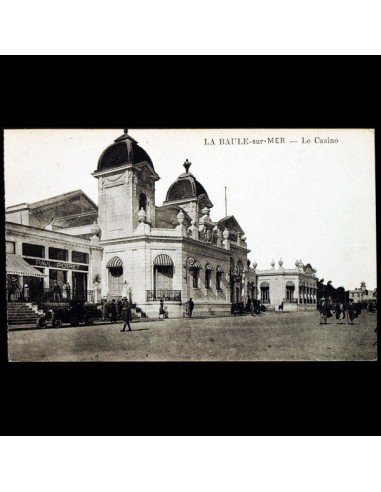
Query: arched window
point(239, 267)
point(232, 267)
point(290, 288)
point(208, 276)
point(194, 271)
point(142, 202)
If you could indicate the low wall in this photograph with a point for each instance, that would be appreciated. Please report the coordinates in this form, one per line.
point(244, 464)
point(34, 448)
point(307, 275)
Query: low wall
point(177, 310)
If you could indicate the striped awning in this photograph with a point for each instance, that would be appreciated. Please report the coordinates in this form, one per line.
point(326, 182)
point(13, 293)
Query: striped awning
point(115, 262)
point(290, 284)
point(264, 285)
point(208, 267)
point(16, 265)
point(163, 260)
point(219, 269)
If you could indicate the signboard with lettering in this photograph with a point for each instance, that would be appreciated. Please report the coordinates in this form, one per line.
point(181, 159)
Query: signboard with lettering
point(61, 265)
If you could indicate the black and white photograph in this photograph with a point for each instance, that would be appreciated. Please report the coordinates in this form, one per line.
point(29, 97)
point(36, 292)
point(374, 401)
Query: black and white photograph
point(190, 245)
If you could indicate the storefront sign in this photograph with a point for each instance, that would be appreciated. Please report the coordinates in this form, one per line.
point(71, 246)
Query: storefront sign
point(56, 264)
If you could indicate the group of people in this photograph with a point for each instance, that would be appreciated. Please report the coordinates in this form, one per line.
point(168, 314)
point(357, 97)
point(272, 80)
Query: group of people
point(254, 307)
point(19, 293)
point(61, 293)
point(114, 311)
point(343, 312)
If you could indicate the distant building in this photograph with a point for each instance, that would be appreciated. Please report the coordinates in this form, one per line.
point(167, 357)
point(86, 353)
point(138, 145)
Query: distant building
point(362, 294)
point(294, 288)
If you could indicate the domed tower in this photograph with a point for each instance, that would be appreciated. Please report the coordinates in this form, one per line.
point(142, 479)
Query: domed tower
point(126, 184)
point(188, 193)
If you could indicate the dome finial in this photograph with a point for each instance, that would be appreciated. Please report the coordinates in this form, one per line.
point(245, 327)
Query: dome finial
point(187, 165)
point(125, 131)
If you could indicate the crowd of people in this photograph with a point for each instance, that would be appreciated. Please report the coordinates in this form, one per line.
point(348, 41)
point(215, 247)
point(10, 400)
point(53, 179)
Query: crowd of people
point(343, 312)
point(114, 311)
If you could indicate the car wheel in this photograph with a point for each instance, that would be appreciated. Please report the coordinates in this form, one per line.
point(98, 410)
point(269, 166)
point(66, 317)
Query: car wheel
point(89, 321)
point(41, 323)
point(56, 323)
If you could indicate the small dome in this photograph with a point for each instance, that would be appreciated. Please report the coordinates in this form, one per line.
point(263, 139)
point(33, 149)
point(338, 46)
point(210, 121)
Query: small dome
point(187, 186)
point(272, 263)
point(124, 150)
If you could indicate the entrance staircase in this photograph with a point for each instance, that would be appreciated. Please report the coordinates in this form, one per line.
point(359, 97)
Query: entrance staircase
point(137, 312)
point(19, 313)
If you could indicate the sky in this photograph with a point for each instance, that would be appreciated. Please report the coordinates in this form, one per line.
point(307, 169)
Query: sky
point(296, 198)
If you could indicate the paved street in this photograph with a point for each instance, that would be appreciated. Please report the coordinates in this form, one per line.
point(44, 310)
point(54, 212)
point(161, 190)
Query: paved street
point(275, 336)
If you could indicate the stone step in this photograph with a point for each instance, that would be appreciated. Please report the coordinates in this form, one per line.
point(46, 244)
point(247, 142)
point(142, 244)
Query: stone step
point(22, 315)
point(22, 322)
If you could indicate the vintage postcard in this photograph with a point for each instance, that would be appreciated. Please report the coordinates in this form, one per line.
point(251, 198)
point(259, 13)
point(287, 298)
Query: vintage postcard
point(191, 245)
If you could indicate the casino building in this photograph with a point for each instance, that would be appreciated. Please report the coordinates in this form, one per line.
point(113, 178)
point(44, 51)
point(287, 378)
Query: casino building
point(127, 245)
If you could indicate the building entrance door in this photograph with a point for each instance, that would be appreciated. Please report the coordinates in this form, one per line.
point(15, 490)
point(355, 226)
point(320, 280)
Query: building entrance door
point(115, 282)
point(79, 287)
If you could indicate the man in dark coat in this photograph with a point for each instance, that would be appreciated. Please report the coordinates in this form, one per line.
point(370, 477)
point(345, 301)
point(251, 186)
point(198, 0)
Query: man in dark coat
point(191, 307)
point(126, 314)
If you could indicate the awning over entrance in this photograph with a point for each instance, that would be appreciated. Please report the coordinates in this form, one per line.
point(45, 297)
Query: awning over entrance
point(115, 262)
point(290, 284)
point(264, 285)
point(16, 265)
point(163, 260)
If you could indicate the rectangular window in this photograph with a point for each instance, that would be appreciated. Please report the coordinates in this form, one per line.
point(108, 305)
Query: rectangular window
point(208, 276)
point(195, 278)
point(10, 247)
point(218, 280)
point(58, 254)
point(33, 250)
point(78, 257)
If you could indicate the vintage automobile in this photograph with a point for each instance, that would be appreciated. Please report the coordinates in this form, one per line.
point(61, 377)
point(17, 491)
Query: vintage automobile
point(73, 312)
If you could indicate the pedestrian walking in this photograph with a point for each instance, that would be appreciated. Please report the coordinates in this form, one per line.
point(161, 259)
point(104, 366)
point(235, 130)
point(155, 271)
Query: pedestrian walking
point(112, 311)
point(161, 309)
point(26, 293)
point(126, 314)
point(351, 312)
point(325, 312)
point(104, 309)
point(191, 307)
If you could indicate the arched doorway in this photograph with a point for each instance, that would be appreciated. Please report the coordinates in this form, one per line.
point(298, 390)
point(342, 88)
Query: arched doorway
point(163, 277)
